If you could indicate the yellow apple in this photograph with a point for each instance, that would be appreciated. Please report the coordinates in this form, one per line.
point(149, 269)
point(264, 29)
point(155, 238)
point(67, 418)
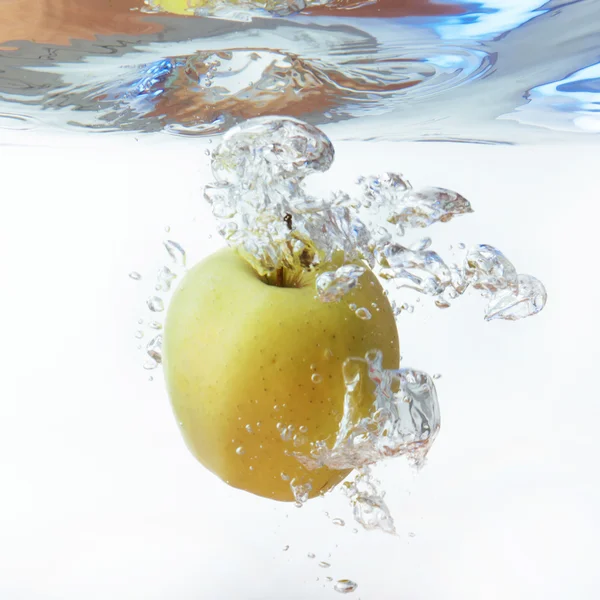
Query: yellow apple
point(254, 369)
point(188, 7)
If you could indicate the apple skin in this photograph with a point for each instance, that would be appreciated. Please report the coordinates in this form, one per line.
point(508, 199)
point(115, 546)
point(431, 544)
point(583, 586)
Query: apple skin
point(239, 356)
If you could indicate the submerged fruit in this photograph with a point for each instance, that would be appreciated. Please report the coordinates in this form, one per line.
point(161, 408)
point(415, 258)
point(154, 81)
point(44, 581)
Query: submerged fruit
point(254, 369)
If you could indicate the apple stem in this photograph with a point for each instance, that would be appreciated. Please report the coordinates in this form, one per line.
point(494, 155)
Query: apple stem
point(279, 277)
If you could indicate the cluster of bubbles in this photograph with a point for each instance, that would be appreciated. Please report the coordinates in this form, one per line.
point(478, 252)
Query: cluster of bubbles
point(262, 207)
point(155, 303)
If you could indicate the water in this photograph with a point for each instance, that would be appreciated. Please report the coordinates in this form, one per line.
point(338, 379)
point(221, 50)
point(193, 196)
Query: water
point(127, 111)
point(403, 70)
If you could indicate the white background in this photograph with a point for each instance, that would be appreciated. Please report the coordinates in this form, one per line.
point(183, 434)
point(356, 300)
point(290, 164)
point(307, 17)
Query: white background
point(100, 499)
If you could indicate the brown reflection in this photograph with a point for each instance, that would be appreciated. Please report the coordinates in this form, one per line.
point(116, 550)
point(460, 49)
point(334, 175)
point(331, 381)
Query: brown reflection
point(58, 22)
point(386, 8)
point(288, 86)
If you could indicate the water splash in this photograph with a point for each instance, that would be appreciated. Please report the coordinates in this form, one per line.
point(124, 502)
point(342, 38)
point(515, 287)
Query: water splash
point(405, 418)
point(369, 507)
point(528, 299)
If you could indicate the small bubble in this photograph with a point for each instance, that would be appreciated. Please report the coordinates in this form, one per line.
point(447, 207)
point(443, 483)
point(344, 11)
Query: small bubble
point(411, 534)
point(154, 325)
point(135, 275)
point(140, 321)
point(239, 451)
point(461, 246)
point(310, 555)
point(328, 353)
point(286, 548)
point(285, 477)
point(167, 229)
point(303, 429)
point(251, 468)
point(442, 303)
point(324, 565)
point(155, 304)
point(150, 378)
point(355, 530)
point(139, 334)
point(207, 152)
point(352, 307)
point(329, 578)
point(316, 378)
point(249, 428)
point(345, 586)
point(339, 522)
point(436, 375)
point(362, 313)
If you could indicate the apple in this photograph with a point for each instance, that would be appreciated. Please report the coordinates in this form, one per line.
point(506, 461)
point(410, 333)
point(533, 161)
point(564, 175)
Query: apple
point(253, 367)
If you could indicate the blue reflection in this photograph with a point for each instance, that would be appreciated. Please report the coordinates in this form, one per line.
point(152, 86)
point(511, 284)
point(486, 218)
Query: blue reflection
point(488, 19)
point(579, 92)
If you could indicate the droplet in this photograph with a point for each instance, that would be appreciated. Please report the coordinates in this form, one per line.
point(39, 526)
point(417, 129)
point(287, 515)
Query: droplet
point(310, 555)
point(324, 565)
point(240, 450)
point(339, 522)
point(176, 252)
point(155, 304)
point(135, 275)
point(328, 353)
point(303, 429)
point(285, 477)
point(442, 303)
point(363, 313)
point(286, 548)
point(155, 325)
point(436, 376)
point(329, 578)
point(207, 152)
point(461, 246)
point(140, 321)
point(139, 334)
point(411, 534)
point(249, 428)
point(345, 586)
point(316, 378)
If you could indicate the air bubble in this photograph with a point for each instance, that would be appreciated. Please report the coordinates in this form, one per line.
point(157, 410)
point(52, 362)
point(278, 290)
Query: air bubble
point(363, 313)
point(155, 304)
point(135, 275)
point(345, 586)
point(240, 450)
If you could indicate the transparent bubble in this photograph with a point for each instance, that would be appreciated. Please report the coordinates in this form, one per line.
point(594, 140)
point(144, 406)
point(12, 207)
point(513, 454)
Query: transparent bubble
point(345, 586)
point(135, 275)
point(363, 313)
point(155, 304)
